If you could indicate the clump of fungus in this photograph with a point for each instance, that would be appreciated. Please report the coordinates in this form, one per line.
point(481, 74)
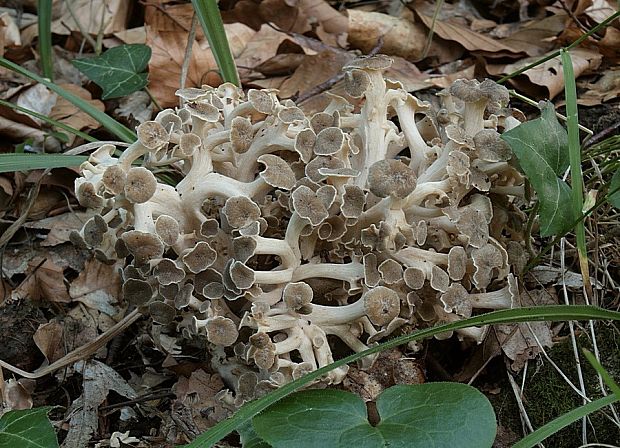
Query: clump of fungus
point(291, 231)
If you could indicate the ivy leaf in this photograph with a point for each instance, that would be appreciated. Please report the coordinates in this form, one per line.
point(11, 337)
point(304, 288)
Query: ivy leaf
point(541, 145)
point(29, 428)
point(428, 415)
point(614, 185)
point(119, 71)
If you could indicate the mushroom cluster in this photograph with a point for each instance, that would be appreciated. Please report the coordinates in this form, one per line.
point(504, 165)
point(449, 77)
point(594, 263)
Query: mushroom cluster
point(292, 234)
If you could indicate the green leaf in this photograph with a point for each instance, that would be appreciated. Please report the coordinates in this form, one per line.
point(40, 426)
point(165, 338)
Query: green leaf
point(118, 129)
point(29, 428)
point(25, 162)
point(119, 71)
point(425, 415)
point(249, 438)
point(528, 314)
point(614, 189)
point(541, 146)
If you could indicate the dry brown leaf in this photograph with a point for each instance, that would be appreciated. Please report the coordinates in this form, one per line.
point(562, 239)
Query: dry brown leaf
point(45, 281)
point(59, 226)
point(537, 36)
point(99, 380)
point(37, 98)
point(445, 81)
point(601, 10)
point(49, 338)
point(521, 342)
point(132, 35)
point(281, 64)
point(98, 287)
point(197, 393)
point(168, 49)
point(549, 74)
point(17, 394)
point(70, 115)
point(400, 37)
point(605, 89)
point(9, 33)
point(262, 47)
point(314, 71)
point(109, 16)
point(408, 75)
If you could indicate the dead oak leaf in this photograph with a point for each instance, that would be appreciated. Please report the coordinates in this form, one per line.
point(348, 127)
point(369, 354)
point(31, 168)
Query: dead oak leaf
point(97, 287)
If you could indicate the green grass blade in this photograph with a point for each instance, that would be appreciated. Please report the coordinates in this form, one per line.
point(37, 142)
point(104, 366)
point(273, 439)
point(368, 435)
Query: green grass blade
point(44, 20)
point(563, 421)
point(211, 20)
point(574, 153)
point(116, 128)
point(613, 386)
point(548, 313)
point(48, 120)
point(25, 162)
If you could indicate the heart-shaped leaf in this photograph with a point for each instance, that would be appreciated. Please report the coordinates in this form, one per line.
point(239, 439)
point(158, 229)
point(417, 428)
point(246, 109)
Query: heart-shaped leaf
point(29, 428)
point(119, 71)
point(541, 145)
point(429, 415)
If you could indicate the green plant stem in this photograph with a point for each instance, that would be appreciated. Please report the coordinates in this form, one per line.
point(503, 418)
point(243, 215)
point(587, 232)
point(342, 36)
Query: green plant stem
point(48, 120)
point(44, 21)
point(563, 421)
point(574, 153)
point(555, 54)
point(148, 92)
point(431, 31)
point(211, 20)
point(116, 128)
point(548, 313)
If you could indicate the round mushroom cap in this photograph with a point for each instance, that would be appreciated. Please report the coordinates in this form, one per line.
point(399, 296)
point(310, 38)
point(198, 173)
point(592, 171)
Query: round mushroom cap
point(414, 278)
point(391, 177)
point(353, 201)
point(191, 93)
point(168, 273)
point(261, 101)
point(140, 185)
point(485, 259)
point(189, 143)
point(221, 331)
point(162, 313)
point(466, 90)
point(200, 257)
point(244, 248)
point(309, 206)
point(391, 271)
point(241, 275)
point(240, 211)
point(143, 246)
point(456, 299)
point(209, 227)
point(376, 62)
point(167, 228)
point(169, 120)
point(291, 114)
point(114, 179)
point(94, 229)
point(382, 305)
point(152, 135)
point(278, 173)
point(457, 263)
point(304, 144)
point(297, 295)
point(204, 111)
point(322, 120)
point(495, 92)
point(241, 134)
point(319, 162)
point(356, 82)
point(329, 141)
point(137, 292)
point(490, 146)
point(88, 196)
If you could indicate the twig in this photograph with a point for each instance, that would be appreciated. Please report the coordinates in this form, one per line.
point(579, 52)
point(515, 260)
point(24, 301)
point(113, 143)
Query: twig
point(79, 353)
point(188, 54)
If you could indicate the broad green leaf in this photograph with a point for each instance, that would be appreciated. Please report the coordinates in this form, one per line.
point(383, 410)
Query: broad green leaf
point(528, 314)
point(426, 415)
point(249, 438)
point(614, 189)
point(29, 428)
point(541, 146)
point(119, 71)
point(25, 162)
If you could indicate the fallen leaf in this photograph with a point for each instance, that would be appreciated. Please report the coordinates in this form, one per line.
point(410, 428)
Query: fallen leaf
point(98, 287)
point(548, 75)
point(59, 226)
point(17, 394)
point(197, 393)
point(38, 98)
point(107, 16)
point(98, 380)
point(67, 113)
point(49, 338)
point(135, 108)
point(45, 281)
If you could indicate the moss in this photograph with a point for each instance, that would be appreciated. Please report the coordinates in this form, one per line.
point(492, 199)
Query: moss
point(547, 395)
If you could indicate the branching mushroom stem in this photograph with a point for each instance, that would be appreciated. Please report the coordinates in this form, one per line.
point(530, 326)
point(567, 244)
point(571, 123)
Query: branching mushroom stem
point(349, 272)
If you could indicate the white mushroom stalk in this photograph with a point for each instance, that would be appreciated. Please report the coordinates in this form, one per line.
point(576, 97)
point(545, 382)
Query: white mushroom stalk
point(286, 227)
